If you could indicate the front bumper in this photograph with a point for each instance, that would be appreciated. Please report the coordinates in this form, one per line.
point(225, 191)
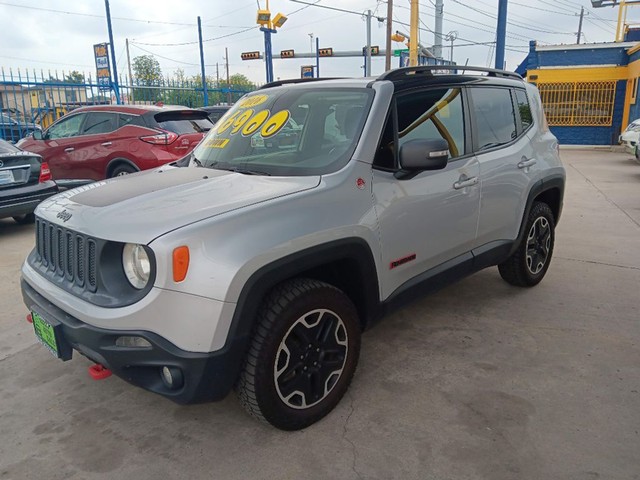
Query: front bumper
point(207, 376)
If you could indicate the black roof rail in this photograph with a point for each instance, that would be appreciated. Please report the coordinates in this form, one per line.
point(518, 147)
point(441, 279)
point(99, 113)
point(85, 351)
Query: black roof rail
point(404, 73)
point(279, 83)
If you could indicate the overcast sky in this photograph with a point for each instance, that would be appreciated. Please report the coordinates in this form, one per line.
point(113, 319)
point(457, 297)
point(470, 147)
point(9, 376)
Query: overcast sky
point(59, 34)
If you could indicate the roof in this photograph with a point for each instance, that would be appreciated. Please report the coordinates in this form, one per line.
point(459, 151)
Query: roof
point(133, 109)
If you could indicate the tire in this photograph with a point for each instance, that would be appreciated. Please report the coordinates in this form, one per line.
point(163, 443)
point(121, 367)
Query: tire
point(123, 169)
point(529, 263)
point(315, 324)
point(25, 219)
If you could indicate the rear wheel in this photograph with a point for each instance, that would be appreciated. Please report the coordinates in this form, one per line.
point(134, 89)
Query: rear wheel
point(25, 219)
point(303, 354)
point(529, 264)
point(123, 169)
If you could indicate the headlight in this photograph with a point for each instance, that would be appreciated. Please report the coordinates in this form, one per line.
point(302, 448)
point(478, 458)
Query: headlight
point(137, 266)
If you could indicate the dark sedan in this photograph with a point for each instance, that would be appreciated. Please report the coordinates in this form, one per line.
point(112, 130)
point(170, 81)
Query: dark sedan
point(25, 180)
point(13, 129)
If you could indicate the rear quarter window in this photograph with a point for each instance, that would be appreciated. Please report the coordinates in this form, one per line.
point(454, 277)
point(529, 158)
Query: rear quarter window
point(184, 124)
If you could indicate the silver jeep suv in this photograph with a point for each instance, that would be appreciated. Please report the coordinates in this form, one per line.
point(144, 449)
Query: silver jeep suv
point(309, 211)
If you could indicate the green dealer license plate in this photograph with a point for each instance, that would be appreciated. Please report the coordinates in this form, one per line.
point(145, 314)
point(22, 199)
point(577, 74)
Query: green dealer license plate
point(49, 335)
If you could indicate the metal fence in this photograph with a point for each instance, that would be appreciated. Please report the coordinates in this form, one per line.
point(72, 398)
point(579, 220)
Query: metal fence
point(578, 104)
point(31, 100)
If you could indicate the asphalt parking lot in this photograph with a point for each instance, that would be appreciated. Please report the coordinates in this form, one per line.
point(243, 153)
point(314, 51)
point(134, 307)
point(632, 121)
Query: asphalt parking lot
point(479, 381)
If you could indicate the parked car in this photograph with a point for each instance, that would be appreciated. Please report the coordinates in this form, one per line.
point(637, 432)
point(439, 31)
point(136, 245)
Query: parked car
point(258, 268)
point(216, 112)
point(25, 181)
point(630, 138)
point(100, 142)
point(13, 128)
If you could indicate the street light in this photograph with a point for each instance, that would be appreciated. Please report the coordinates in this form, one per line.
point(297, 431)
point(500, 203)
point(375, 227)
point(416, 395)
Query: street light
point(269, 26)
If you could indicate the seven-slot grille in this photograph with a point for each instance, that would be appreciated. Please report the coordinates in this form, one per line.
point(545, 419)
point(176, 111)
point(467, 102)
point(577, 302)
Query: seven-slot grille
point(66, 254)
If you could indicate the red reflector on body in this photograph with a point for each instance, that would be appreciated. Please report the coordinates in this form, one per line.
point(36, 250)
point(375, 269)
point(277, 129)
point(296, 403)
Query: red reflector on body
point(98, 372)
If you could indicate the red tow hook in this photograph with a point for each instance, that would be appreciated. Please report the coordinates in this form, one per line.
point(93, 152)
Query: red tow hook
point(98, 372)
point(29, 318)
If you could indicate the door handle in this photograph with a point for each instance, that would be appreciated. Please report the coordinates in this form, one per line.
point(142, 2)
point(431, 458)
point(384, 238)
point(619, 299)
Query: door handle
point(469, 182)
point(106, 144)
point(527, 163)
point(69, 149)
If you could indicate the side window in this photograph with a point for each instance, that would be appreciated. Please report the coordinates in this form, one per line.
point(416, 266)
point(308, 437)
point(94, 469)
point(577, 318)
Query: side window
point(433, 114)
point(99, 122)
point(385, 154)
point(126, 119)
point(68, 127)
point(495, 116)
point(524, 108)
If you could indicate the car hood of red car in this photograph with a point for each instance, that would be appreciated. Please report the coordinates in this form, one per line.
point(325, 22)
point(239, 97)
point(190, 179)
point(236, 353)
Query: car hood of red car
point(141, 207)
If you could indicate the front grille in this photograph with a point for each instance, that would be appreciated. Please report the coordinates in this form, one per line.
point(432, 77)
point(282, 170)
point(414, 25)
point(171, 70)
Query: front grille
point(66, 255)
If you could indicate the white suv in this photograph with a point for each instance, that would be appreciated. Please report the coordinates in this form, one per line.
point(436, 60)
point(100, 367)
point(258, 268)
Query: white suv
point(307, 213)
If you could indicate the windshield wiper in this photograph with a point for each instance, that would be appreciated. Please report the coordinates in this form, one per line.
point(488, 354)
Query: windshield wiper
point(244, 171)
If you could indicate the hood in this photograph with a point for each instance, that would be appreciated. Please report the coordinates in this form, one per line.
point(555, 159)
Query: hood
point(142, 206)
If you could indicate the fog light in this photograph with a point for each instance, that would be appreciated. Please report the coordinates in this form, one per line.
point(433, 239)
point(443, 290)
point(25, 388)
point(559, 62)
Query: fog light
point(172, 377)
point(132, 342)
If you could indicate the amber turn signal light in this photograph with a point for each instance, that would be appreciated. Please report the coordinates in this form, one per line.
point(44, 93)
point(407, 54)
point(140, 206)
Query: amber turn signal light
point(180, 263)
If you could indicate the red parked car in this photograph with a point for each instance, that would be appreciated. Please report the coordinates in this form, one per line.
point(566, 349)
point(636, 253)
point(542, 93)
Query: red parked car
point(100, 142)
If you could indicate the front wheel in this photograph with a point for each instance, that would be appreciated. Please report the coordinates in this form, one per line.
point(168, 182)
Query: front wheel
point(303, 354)
point(529, 263)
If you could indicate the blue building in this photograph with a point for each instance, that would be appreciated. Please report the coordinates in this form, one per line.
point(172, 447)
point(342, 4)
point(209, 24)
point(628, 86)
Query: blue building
point(588, 91)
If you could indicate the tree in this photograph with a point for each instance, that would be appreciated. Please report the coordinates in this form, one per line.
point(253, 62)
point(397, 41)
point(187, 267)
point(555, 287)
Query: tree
point(240, 85)
point(74, 77)
point(147, 73)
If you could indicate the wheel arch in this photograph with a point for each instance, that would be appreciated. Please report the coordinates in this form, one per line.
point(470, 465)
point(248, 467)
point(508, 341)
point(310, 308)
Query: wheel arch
point(114, 163)
point(550, 191)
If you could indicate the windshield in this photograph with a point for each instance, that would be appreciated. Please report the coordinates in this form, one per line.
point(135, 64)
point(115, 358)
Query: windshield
point(287, 133)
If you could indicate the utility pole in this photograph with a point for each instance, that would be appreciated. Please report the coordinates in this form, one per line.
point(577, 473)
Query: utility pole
point(204, 78)
point(501, 33)
point(129, 63)
point(387, 57)
point(451, 36)
point(413, 34)
point(317, 57)
point(116, 88)
point(580, 24)
point(437, 43)
point(367, 63)
point(226, 59)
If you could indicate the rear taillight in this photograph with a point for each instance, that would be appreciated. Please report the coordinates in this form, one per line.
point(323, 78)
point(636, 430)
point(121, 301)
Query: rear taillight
point(164, 138)
point(45, 173)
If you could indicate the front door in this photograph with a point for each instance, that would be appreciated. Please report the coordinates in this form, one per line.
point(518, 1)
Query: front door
point(430, 218)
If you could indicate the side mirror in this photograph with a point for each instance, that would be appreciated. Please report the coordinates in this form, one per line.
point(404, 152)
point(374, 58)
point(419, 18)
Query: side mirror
point(37, 135)
point(419, 155)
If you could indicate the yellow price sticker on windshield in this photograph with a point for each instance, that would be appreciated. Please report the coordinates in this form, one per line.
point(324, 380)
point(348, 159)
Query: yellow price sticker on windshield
point(275, 123)
point(217, 143)
point(241, 120)
point(253, 101)
point(255, 123)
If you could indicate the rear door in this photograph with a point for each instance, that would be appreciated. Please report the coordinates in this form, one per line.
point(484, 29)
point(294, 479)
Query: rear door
point(93, 146)
point(507, 162)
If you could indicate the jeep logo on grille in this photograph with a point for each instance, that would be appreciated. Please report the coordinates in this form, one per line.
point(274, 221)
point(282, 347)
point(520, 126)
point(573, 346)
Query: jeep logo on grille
point(64, 215)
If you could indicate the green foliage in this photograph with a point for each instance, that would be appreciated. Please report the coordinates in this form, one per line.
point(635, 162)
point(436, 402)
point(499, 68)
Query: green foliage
point(147, 72)
point(74, 77)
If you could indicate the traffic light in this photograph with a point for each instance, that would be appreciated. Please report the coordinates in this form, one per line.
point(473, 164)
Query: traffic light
point(375, 50)
point(325, 52)
point(398, 37)
point(250, 55)
point(286, 54)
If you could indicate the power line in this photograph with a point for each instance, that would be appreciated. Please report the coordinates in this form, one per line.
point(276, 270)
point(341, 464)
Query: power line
point(195, 42)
